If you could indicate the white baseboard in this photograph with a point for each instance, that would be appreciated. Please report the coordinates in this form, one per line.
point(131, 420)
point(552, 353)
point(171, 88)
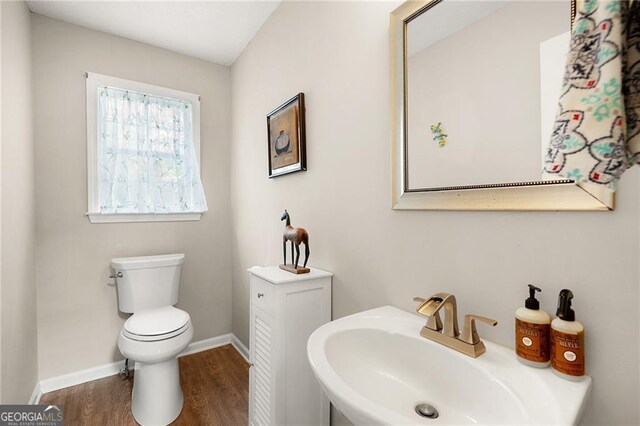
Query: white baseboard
point(106, 370)
point(240, 347)
point(82, 376)
point(206, 344)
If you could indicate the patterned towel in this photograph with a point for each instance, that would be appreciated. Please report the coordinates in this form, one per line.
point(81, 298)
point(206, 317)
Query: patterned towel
point(596, 135)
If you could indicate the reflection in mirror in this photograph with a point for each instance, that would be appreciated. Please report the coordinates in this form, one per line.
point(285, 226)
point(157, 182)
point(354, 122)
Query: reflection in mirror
point(474, 91)
point(483, 80)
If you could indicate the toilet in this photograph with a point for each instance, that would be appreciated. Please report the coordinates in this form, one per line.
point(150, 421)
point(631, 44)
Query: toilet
point(154, 335)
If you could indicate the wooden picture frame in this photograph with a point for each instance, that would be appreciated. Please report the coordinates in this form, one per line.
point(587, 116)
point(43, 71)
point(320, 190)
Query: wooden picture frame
point(286, 145)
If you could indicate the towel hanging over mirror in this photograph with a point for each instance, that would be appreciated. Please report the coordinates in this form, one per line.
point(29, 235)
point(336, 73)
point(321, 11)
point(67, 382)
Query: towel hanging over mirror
point(596, 134)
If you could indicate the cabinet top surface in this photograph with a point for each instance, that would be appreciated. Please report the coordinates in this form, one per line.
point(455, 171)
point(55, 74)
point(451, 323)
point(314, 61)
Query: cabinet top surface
point(275, 275)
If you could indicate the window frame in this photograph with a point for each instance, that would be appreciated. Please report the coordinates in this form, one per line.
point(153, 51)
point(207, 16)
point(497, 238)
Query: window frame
point(94, 81)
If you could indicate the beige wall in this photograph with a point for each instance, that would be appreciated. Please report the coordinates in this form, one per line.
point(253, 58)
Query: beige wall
point(78, 319)
point(338, 54)
point(1, 73)
point(19, 335)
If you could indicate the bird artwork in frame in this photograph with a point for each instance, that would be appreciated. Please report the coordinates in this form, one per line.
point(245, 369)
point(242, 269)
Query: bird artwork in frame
point(296, 236)
point(286, 137)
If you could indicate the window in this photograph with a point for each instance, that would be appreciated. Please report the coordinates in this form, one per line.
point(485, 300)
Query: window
point(143, 149)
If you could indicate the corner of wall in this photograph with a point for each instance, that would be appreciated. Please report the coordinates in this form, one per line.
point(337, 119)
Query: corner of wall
point(18, 331)
point(1, 369)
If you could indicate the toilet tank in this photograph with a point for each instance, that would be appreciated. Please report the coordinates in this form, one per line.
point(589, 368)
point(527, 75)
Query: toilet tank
point(147, 282)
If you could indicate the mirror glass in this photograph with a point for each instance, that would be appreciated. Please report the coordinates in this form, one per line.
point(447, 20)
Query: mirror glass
point(482, 85)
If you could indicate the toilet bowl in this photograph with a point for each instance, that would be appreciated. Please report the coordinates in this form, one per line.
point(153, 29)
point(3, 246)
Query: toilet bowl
point(154, 335)
point(153, 339)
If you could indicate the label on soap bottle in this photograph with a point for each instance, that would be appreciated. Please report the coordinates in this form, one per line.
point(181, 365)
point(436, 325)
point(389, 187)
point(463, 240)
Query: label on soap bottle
point(532, 341)
point(567, 352)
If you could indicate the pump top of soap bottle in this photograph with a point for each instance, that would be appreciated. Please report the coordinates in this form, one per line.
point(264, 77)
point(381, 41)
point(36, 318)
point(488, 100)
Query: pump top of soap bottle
point(532, 302)
point(564, 311)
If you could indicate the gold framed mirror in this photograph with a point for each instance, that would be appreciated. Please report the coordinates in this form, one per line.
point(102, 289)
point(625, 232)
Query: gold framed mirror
point(443, 134)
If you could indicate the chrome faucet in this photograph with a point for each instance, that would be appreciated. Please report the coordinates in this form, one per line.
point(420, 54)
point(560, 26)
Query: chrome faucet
point(468, 342)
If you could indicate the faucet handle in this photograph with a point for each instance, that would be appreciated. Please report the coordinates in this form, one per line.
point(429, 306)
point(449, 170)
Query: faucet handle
point(433, 322)
point(469, 333)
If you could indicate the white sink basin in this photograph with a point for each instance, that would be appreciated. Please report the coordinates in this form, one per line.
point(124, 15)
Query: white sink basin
point(375, 368)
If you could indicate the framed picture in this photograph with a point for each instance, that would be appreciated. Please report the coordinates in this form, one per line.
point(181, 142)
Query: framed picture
point(286, 137)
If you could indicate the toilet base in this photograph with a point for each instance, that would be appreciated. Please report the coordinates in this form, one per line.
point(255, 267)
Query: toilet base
point(157, 396)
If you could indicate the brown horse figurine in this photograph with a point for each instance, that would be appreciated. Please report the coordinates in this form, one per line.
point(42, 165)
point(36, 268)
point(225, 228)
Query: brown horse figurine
point(296, 236)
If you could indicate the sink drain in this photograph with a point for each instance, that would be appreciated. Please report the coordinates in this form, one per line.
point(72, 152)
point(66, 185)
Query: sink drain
point(427, 410)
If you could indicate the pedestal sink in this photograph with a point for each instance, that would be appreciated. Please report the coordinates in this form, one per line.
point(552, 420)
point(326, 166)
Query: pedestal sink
point(376, 369)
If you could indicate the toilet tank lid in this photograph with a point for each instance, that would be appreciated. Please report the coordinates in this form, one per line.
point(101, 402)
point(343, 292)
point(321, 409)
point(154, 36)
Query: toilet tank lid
point(147, 261)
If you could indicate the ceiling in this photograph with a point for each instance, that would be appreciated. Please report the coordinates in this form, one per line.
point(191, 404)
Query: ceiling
point(216, 31)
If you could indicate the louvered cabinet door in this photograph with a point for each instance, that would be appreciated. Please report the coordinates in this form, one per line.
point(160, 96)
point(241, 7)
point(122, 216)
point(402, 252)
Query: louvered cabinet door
point(284, 310)
point(262, 386)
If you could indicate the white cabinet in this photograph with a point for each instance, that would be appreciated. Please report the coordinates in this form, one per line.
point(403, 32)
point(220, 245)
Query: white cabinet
point(285, 310)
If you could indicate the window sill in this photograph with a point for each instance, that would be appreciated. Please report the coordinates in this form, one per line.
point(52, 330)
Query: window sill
point(135, 217)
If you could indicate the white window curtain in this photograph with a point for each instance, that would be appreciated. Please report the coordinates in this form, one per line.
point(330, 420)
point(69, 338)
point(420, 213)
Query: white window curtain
point(147, 161)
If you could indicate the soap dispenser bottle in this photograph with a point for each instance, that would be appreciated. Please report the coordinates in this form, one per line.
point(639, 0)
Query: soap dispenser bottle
point(532, 332)
point(567, 341)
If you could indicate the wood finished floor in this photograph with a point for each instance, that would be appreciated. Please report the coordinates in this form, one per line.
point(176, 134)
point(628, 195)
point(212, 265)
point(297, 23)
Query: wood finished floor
point(215, 385)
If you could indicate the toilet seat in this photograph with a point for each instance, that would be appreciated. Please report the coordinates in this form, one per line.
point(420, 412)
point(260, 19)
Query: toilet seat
point(156, 324)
